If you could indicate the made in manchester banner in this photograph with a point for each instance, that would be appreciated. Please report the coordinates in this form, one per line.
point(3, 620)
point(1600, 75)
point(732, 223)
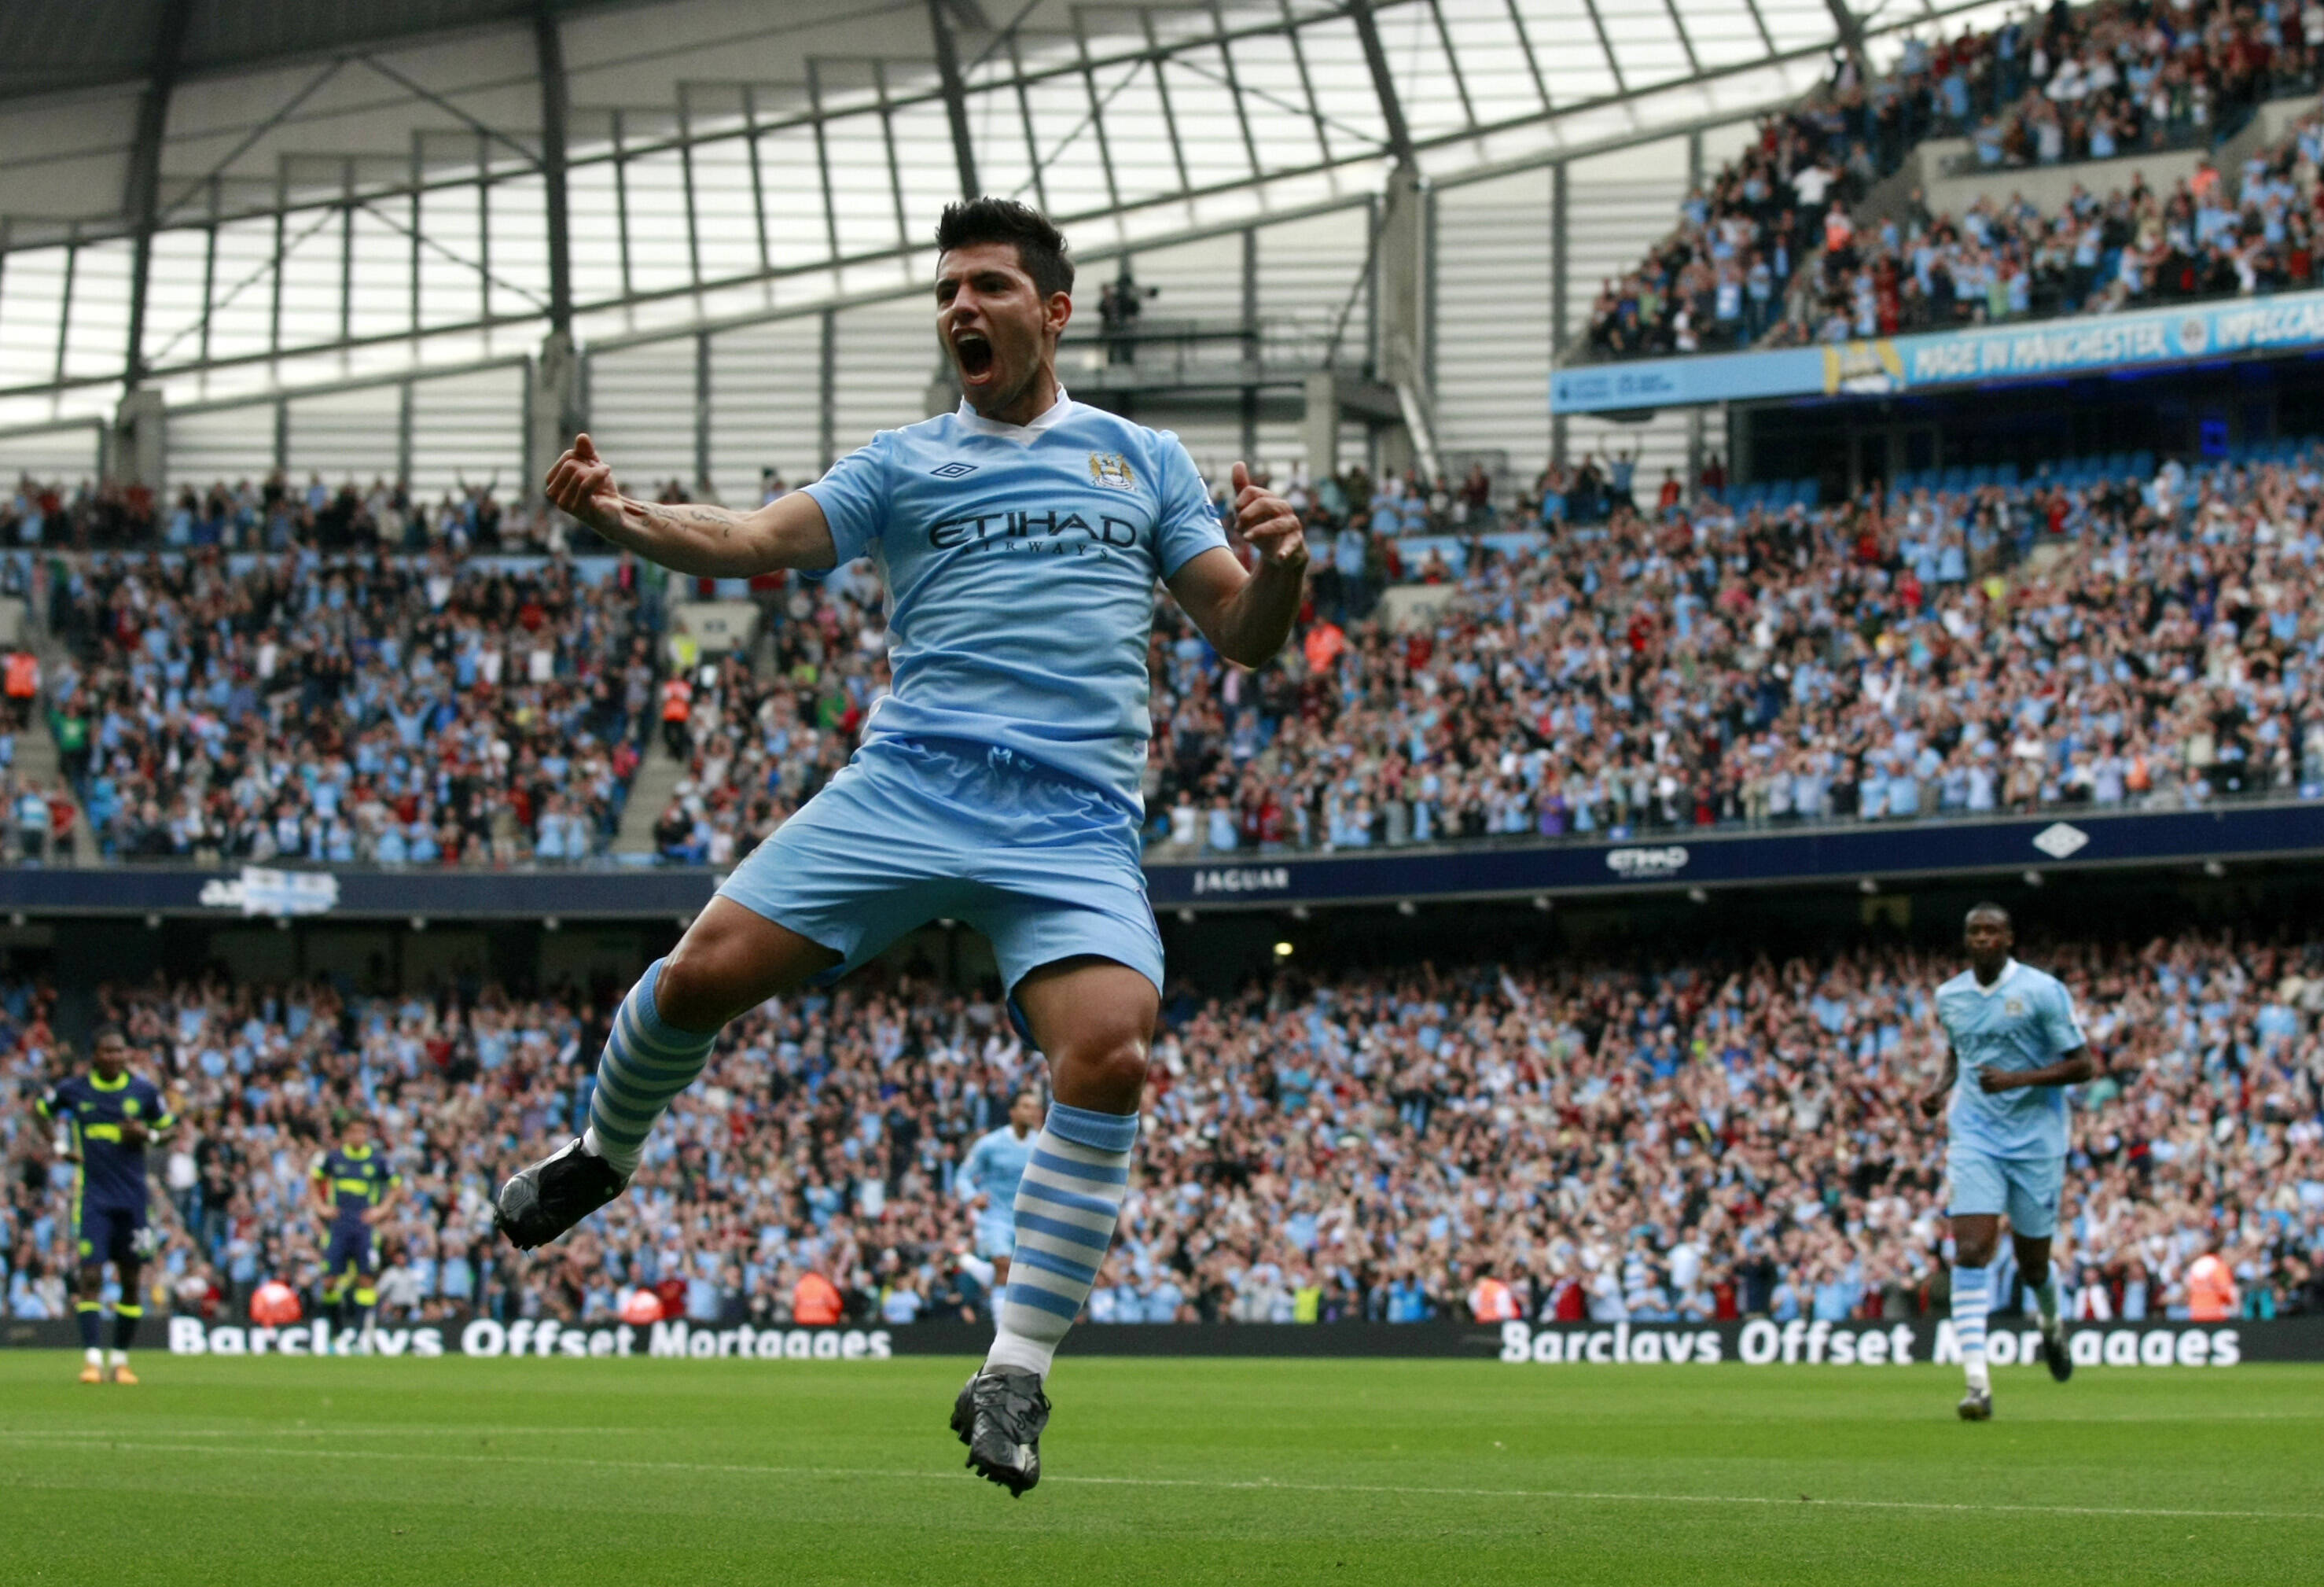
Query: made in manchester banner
point(2087, 343)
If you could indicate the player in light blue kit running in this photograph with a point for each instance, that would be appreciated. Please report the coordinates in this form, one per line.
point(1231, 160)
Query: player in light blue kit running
point(2013, 1028)
point(988, 1179)
point(1022, 539)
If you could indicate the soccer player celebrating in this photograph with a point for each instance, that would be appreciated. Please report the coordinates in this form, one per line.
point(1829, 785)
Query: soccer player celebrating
point(106, 1118)
point(2012, 1028)
point(1021, 538)
point(989, 1178)
point(353, 1188)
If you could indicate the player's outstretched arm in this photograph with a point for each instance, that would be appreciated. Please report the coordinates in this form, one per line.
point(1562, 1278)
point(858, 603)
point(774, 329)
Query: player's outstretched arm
point(1246, 616)
point(709, 542)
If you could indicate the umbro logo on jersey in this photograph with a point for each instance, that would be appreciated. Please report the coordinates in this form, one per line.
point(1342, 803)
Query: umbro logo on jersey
point(952, 470)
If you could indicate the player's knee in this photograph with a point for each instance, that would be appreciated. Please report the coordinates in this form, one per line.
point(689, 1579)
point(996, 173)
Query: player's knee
point(1113, 1064)
point(701, 983)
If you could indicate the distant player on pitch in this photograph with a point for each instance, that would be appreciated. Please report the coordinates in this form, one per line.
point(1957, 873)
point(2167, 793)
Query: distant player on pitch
point(2015, 1046)
point(988, 1179)
point(353, 1188)
point(1021, 538)
point(105, 1120)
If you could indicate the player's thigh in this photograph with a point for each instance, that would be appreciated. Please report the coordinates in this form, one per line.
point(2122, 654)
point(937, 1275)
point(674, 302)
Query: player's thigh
point(2035, 1185)
point(97, 1234)
point(119, 1244)
point(1093, 1016)
point(732, 958)
point(880, 850)
point(1075, 938)
point(1975, 1185)
point(348, 1251)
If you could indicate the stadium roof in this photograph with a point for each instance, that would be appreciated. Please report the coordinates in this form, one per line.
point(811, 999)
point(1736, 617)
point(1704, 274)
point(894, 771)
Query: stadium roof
point(51, 45)
point(401, 179)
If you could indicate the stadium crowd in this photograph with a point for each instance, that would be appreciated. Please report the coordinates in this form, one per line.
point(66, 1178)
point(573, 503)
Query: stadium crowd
point(1609, 1139)
point(1777, 252)
point(341, 708)
point(272, 513)
point(1632, 666)
point(2130, 642)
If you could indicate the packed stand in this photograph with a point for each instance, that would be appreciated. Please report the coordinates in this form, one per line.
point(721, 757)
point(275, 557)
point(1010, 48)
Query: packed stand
point(2134, 247)
point(1671, 1141)
point(1773, 251)
point(2118, 643)
point(274, 513)
point(758, 735)
point(347, 709)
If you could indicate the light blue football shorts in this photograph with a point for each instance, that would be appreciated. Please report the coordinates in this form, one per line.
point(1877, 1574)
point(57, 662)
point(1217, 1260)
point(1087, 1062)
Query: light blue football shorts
point(996, 1236)
point(913, 830)
point(2026, 1188)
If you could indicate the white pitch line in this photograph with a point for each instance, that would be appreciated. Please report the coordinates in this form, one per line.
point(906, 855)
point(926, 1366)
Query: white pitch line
point(1216, 1484)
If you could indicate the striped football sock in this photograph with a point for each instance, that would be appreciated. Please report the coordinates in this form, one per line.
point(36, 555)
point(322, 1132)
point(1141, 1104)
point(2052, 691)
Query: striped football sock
point(646, 1064)
point(1971, 1298)
point(1065, 1208)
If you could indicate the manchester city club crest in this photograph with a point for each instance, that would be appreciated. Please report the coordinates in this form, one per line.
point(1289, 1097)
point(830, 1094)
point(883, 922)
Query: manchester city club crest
point(2013, 1008)
point(1112, 468)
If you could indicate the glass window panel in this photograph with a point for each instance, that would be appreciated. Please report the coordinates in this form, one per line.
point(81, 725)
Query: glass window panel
point(862, 192)
point(931, 169)
point(311, 275)
point(1343, 83)
point(1572, 63)
point(448, 289)
point(766, 406)
point(242, 308)
point(795, 224)
point(97, 342)
point(519, 259)
point(383, 277)
point(63, 455)
point(174, 291)
point(641, 414)
point(344, 436)
point(887, 356)
point(725, 208)
point(659, 259)
point(467, 430)
point(216, 444)
point(31, 298)
point(596, 237)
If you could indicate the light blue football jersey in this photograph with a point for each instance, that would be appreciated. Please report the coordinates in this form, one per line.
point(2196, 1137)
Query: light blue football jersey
point(2024, 1021)
point(1021, 563)
point(993, 1167)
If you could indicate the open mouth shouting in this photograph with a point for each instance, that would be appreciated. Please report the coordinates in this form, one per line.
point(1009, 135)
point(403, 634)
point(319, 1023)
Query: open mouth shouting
point(972, 352)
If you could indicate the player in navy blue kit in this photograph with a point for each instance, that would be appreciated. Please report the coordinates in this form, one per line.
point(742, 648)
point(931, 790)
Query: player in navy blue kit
point(1022, 539)
point(105, 1120)
point(353, 1188)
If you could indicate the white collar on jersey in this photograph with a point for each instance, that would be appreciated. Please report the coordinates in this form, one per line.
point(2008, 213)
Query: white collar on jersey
point(2008, 968)
point(1052, 414)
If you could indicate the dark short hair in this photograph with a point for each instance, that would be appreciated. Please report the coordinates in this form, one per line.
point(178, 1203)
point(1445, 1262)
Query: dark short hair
point(1040, 245)
point(1988, 908)
point(97, 1035)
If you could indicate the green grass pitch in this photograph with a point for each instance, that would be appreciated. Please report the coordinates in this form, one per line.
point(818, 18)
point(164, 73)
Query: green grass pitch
point(437, 1473)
